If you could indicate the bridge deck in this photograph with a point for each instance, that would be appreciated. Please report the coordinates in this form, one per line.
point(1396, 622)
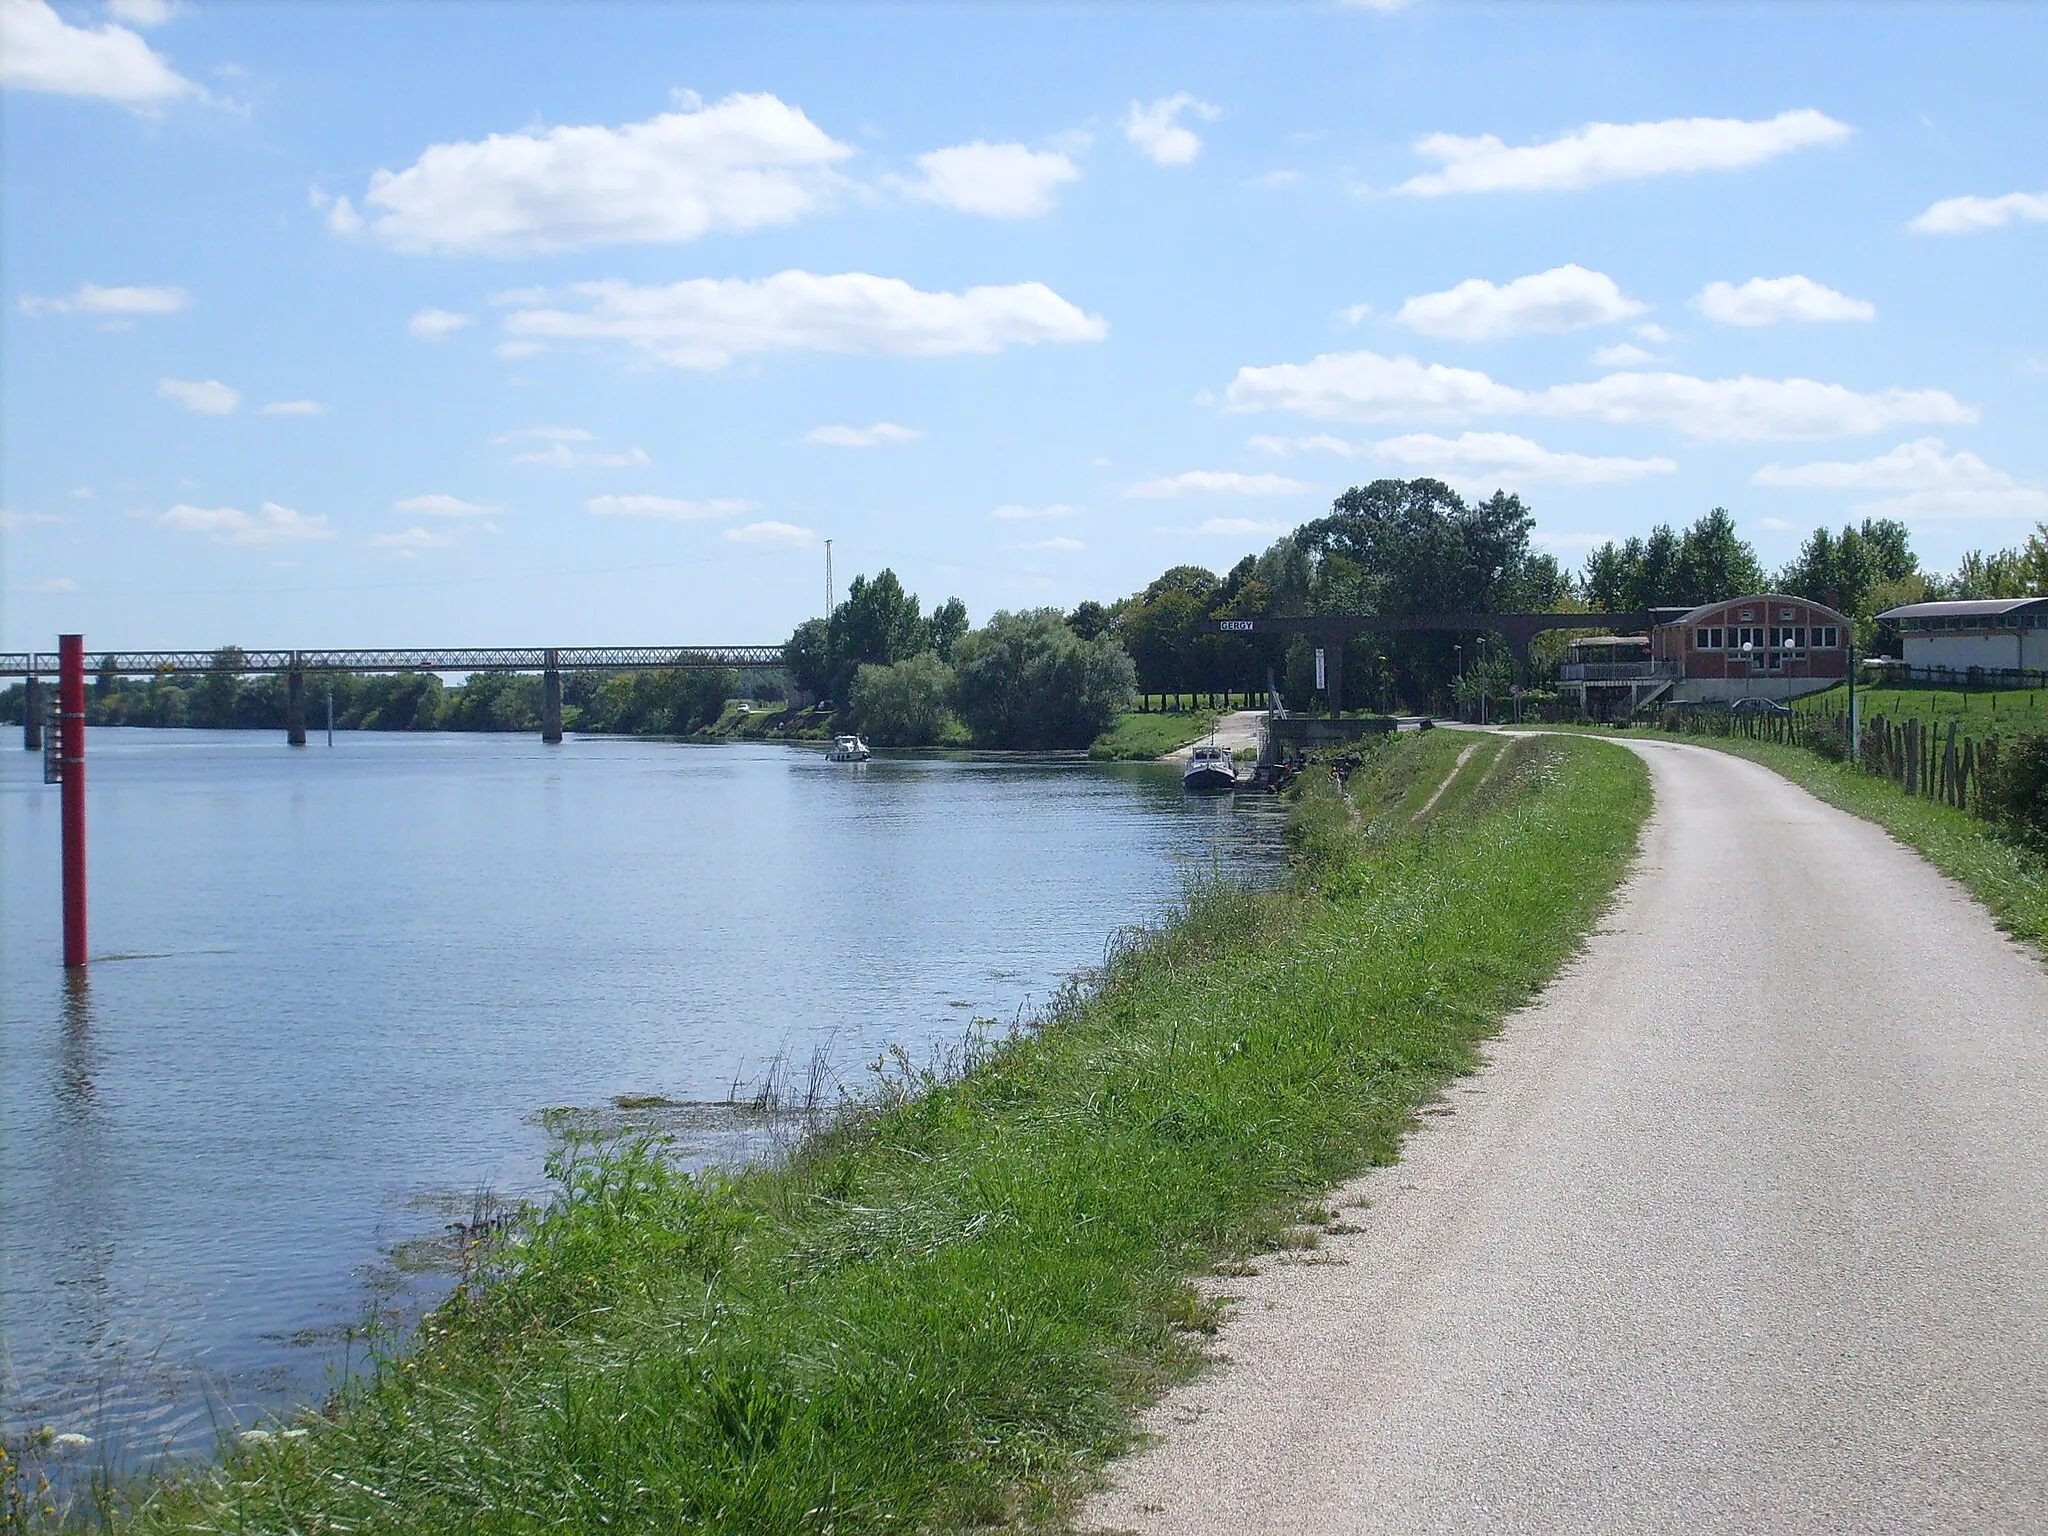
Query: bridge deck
point(455, 659)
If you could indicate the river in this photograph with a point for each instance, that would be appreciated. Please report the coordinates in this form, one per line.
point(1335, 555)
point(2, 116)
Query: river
point(336, 992)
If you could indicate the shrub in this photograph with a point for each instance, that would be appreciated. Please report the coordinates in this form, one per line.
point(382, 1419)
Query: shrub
point(1027, 681)
point(902, 705)
point(2015, 793)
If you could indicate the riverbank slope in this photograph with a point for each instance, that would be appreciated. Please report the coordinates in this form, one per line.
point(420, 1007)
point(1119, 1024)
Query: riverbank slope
point(945, 1309)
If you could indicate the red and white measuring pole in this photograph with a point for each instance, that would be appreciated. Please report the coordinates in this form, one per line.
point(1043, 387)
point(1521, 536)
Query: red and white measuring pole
point(71, 769)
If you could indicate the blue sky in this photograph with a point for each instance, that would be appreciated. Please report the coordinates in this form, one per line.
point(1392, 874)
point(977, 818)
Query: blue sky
point(534, 324)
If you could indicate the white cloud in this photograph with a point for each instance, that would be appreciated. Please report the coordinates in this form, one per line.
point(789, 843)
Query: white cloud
point(1354, 313)
point(1924, 482)
point(439, 504)
point(92, 299)
point(1602, 152)
point(1626, 355)
point(1238, 527)
point(433, 324)
point(1013, 513)
point(706, 322)
point(862, 437)
point(294, 408)
point(773, 535)
point(560, 455)
point(1155, 128)
point(143, 13)
point(209, 397)
point(997, 181)
point(744, 162)
point(271, 524)
point(1748, 407)
point(1364, 386)
point(1217, 482)
point(1769, 300)
point(1774, 525)
point(1488, 459)
point(511, 351)
point(1968, 215)
point(412, 541)
point(1651, 332)
point(1271, 179)
point(10, 521)
point(1566, 298)
point(1059, 544)
point(39, 51)
point(57, 586)
point(670, 507)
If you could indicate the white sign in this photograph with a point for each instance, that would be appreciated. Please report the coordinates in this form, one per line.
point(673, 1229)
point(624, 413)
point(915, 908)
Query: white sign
point(1320, 684)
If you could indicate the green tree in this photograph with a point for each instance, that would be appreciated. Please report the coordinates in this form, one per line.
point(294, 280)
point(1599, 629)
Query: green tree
point(903, 705)
point(1090, 619)
point(947, 624)
point(1027, 681)
point(808, 656)
point(879, 622)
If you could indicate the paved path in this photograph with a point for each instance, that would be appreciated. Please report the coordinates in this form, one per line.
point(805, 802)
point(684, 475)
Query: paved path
point(1745, 1228)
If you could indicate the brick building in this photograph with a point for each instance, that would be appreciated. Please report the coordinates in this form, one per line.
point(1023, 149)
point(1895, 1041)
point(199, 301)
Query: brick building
point(1763, 646)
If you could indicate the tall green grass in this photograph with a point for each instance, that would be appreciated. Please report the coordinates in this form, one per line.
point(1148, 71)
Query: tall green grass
point(943, 1311)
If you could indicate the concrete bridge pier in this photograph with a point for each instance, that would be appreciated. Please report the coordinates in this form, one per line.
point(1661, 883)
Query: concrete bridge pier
point(32, 714)
point(551, 698)
point(295, 704)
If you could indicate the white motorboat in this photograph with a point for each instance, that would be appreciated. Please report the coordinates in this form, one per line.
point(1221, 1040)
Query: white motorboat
point(848, 749)
point(1210, 770)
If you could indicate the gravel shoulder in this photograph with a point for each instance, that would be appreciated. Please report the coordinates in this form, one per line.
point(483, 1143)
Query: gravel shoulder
point(1236, 731)
point(1741, 1228)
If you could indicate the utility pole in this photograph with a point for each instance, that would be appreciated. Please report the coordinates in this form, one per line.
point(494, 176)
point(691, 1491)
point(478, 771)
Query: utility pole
point(828, 581)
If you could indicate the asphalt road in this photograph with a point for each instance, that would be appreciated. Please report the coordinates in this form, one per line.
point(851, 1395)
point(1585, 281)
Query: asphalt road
point(1744, 1228)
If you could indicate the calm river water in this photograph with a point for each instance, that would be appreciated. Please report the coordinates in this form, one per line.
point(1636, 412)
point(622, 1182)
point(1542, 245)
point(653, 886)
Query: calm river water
point(337, 988)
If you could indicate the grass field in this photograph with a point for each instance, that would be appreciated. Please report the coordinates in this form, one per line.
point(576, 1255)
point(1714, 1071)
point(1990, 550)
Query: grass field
point(1141, 737)
point(1980, 711)
point(943, 1312)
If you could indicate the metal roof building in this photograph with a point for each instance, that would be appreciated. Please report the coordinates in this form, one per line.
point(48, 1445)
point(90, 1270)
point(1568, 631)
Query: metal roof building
point(1992, 635)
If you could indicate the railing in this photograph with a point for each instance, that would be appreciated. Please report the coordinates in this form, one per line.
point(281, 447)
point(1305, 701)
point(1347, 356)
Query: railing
point(1616, 671)
point(1974, 677)
point(514, 659)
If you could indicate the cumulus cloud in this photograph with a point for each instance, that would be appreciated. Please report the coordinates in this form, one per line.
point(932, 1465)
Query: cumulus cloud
point(773, 535)
point(1217, 482)
point(293, 408)
point(559, 455)
point(1364, 386)
point(56, 586)
point(412, 541)
point(122, 303)
point(671, 508)
point(1625, 355)
point(1155, 128)
point(1770, 300)
point(1968, 215)
point(143, 13)
point(209, 397)
point(1566, 298)
point(997, 181)
point(1923, 479)
point(1013, 513)
point(1601, 152)
point(433, 324)
point(271, 524)
point(1501, 458)
point(439, 504)
point(744, 162)
point(706, 322)
point(862, 437)
point(40, 51)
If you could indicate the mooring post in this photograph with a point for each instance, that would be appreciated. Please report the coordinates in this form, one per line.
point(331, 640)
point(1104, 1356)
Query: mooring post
point(295, 704)
point(71, 763)
point(1333, 668)
point(32, 709)
point(551, 698)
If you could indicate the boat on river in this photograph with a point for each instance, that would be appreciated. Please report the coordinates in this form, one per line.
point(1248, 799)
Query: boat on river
point(848, 749)
point(1209, 770)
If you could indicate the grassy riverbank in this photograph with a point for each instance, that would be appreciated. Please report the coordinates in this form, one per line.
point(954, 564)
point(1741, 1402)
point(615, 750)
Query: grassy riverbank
point(943, 1312)
point(1141, 737)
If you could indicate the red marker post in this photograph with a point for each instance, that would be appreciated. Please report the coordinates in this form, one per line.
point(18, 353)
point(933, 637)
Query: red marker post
point(71, 765)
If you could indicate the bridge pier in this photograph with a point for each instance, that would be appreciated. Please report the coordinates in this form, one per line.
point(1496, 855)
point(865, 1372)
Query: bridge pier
point(32, 714)
point(551, 698)
point(295, 704)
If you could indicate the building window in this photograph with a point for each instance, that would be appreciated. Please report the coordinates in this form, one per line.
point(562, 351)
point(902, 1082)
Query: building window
point(1824, 637)
point(1707, 639)
point(1746, 614)
point(1777, 660)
